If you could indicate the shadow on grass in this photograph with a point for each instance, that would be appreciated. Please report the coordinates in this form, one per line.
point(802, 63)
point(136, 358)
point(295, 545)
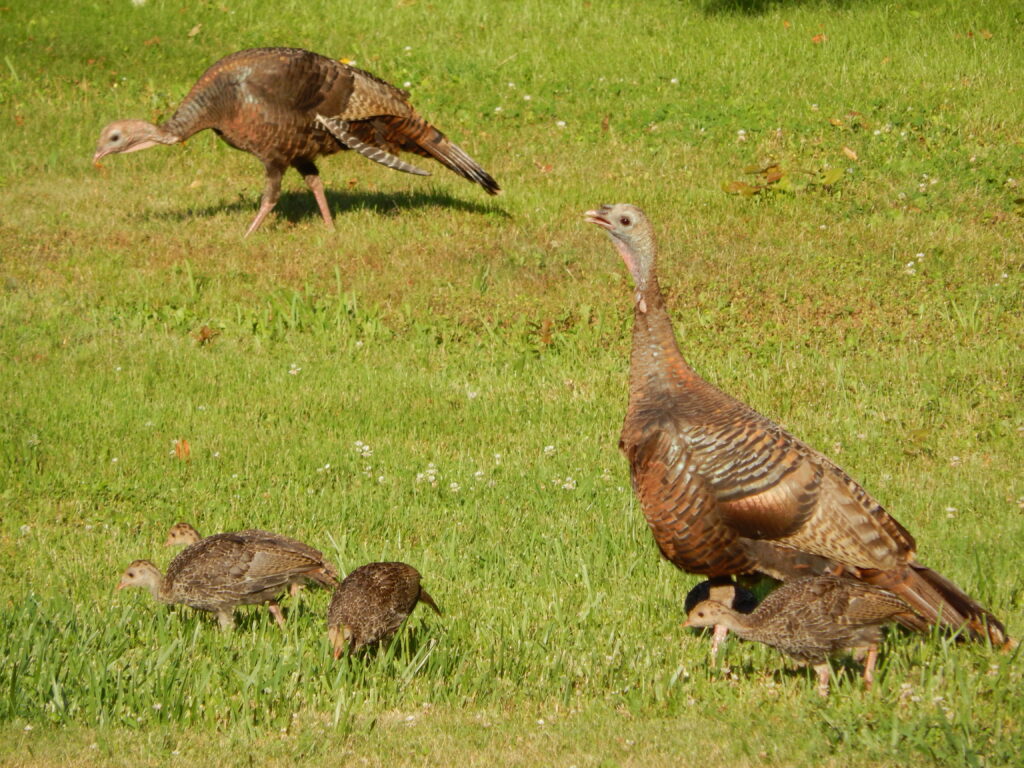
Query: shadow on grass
point(758, 7)
point(299, 205)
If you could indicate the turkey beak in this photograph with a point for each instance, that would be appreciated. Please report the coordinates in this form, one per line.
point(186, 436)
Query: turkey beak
point(594, 217)
point(120, 585)
point(686, 624)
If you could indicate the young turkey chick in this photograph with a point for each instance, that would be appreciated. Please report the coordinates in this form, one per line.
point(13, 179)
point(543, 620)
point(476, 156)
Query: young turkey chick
point(371, 603)
point(811, 619)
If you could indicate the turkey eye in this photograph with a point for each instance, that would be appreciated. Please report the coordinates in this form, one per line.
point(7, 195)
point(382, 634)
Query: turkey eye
point(624, 221)
point(115, 137)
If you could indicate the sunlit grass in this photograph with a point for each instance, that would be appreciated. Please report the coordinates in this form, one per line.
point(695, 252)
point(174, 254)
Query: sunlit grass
point(442, 379)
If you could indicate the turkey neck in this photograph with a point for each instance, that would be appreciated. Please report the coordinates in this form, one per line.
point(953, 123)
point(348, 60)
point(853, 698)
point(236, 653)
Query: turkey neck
point(201, 109)
point(656, 364)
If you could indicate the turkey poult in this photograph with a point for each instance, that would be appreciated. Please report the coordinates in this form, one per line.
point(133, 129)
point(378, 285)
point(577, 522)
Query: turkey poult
point(184, 534)
point(371, 603)
point(287, 106)
point(812, 618)
point(726, 491)
point(223, 571)
point(728, 593)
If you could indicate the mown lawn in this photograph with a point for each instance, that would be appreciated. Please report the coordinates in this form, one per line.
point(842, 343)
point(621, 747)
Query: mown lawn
point(442, 379)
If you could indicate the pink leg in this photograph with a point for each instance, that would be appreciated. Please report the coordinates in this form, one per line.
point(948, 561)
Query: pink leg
point(295, 588)
point(716, 639)
point(275, 611)
point(311, 176)
point(271, 192)
point(823, 674)
point(869, 667)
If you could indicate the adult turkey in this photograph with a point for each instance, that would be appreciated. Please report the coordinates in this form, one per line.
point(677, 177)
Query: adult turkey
point(226, 570)
point(726, 491)
point(288, 106)
point(811, 619)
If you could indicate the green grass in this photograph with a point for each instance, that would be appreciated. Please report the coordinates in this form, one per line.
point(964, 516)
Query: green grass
point(448, 330)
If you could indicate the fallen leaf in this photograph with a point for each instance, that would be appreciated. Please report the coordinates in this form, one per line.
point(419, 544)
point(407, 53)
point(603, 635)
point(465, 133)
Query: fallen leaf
point(849, 153)
point(819, 38)
point(156, 40)
point(195, 30)
point(786, 24)
point(605, 121)
point(831, 177)
point(986, 34)
point(542, 167)
point(835, 121)
point(205, 335)
point(740, 188)
point(182, 450)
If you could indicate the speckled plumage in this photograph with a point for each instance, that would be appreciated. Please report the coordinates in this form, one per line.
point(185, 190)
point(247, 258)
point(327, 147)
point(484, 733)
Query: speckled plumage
point(811, 619)
point(226, 570)
point(371, 603)
point(727, 491)
point(185, 534)
point(287, 107)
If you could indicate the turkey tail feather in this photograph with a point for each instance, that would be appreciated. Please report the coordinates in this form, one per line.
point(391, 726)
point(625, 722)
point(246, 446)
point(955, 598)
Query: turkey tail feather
point(340, 130)
point(939, 601)
point(426, 598)
point(416, 135)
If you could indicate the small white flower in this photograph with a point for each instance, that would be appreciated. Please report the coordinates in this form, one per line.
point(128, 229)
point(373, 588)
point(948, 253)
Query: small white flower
point(359, 344)
point(472, 394)
point(114, 460)
point(380, 479)
point(200, 407)
point(674, 81)
point(406, 84)
point(511, 85)
point(741, 135)
point(549, 450)
point(117, 367)
point(540, 721)
point(569, 484)
point(28, 727)
point(453, 487)
point(216, 454)
point(955, 461)
point(478, 474)
point(527, 97)
point(158, 706)
point(877, 132)
point(497, 456)
point(407, 48)
point(293, 369)
point(560, 123)
point(814, 107)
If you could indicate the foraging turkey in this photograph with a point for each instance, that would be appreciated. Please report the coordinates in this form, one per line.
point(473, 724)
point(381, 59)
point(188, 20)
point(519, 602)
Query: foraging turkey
point(725, 591)
point(726, 491)
point(371, 603)
point(288, 106)
point(221, 572)
point(184, 534)
point(812, 618)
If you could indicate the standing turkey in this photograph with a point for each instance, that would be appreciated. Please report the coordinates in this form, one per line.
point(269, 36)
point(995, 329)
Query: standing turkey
point(812, 618)
point(287, 106)
point(726, 491)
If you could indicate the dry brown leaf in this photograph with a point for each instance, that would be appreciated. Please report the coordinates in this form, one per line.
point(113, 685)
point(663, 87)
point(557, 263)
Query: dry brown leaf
point(850, 153)
point(195, 30)
point(605, 122)
point(835, 121)
point(542, 167)
point(182, 450)
point(152, 41)
point(820, 38)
